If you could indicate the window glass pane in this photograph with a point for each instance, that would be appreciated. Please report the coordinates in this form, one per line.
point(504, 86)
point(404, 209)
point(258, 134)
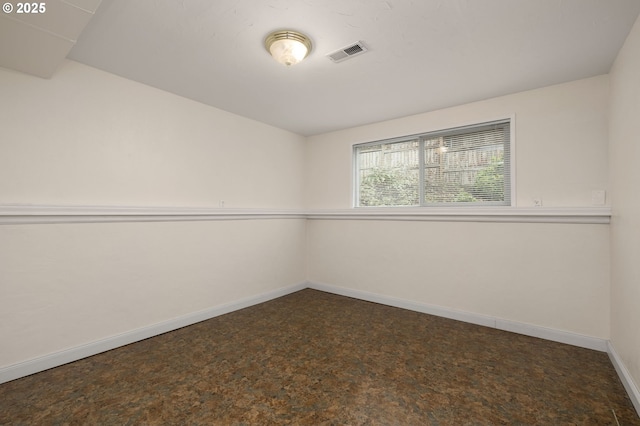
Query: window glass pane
point(462, 166)
point(389, 174)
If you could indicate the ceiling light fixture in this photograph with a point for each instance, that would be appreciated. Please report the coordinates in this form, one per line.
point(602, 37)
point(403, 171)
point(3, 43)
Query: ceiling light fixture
point(288, 47)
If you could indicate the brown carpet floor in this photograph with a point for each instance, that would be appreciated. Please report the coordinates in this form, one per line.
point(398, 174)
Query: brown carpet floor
point(312, 358)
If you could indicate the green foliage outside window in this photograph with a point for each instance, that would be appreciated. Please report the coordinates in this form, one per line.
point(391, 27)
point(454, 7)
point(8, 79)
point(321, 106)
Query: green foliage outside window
point(389, 187)
point(489, 184)
point(399, 187)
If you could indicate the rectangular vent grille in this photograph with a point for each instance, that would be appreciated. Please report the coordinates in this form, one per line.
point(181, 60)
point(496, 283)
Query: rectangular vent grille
point(355, 49)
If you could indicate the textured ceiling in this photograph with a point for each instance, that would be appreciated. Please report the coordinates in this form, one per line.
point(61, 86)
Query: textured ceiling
point(423, 55)
point(38, 41)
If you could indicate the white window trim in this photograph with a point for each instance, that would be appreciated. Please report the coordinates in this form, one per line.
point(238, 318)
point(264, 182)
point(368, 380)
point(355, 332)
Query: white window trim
point(514, 160)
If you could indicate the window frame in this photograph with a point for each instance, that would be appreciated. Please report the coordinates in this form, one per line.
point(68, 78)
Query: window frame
point(439, 133)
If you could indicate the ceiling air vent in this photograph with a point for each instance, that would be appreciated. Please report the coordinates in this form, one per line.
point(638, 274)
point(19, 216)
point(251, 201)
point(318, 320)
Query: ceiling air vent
point(345, 53)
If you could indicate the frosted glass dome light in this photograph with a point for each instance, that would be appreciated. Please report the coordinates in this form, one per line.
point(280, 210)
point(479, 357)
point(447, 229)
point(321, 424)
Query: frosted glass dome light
point(288, 47)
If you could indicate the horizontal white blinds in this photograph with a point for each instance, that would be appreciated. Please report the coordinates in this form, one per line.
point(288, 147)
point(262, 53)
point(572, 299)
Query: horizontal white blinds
point(463, 166)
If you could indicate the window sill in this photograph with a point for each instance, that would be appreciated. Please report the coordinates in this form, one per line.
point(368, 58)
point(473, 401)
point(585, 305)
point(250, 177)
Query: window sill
point(41, 214)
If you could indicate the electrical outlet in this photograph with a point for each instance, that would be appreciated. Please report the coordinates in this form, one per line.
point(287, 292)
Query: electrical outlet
point(221, 203)
point(598, 197)
point(537, 202)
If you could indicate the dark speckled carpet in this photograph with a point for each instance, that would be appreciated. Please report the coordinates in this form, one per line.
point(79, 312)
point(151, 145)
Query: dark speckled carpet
point(312, 358)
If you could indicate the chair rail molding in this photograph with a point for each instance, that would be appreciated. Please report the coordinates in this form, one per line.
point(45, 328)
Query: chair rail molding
point(42, 214)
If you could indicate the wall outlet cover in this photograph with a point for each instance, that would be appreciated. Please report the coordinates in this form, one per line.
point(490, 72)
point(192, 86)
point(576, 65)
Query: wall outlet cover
point(598, 197)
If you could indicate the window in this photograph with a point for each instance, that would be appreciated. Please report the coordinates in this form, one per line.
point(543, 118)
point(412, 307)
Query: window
point(464, 166)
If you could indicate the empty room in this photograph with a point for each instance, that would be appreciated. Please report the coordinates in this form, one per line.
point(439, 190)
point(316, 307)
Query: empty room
point(320, 212)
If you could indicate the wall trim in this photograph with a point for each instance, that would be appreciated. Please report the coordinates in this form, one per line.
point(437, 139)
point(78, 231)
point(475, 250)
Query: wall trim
point(555, 335)
point(65, 356)
point(11, 214)
point(625, 376)
point(595, 215)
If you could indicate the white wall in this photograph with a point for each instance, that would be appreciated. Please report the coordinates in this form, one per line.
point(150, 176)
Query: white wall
point(625, 222)
point(549, 275)
point(546, 274)
point(91, 138)
point(66, 285)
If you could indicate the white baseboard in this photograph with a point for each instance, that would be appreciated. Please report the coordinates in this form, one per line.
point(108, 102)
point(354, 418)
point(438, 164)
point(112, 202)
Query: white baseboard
point(479, 319)
point(553, 334)
point(625, 377)
point(56, 359)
